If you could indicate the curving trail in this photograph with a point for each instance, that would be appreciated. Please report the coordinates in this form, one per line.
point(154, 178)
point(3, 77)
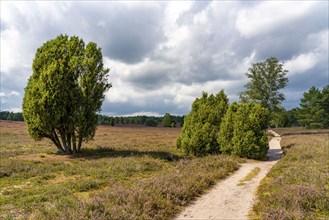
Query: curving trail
point(229, 199)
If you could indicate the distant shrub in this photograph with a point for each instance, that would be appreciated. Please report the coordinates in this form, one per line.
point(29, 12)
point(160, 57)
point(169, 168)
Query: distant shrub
point(242, 131)
point(201, 126)
point(166, 121)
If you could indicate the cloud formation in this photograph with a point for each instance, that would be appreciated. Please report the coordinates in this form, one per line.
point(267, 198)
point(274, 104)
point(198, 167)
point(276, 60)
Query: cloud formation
point(162, 55)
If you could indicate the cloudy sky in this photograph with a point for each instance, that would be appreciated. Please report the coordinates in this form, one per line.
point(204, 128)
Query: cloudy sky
point(162, 55)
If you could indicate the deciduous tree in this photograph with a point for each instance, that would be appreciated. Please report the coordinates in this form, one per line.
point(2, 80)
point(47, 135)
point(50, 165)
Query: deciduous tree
point(166, 121)
point(266, 79)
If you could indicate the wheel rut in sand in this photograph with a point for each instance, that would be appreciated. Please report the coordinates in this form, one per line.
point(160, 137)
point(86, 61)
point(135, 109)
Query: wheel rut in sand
point(229, 199)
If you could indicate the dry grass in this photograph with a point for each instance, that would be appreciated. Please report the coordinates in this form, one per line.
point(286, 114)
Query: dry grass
point(126, 173)
point(297, 186)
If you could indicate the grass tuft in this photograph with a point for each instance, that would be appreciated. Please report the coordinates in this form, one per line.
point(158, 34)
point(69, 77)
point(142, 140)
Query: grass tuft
point(249, 176)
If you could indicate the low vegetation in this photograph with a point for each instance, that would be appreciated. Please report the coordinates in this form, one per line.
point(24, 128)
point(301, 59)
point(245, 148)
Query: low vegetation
point(297, 186)
point(126, 173)
point(249, 176)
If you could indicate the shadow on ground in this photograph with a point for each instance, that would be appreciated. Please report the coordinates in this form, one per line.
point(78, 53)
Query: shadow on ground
point(274, 154)
point(104, 152)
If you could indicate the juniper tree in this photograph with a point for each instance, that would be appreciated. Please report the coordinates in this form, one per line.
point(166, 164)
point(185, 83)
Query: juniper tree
point(64, 92)
point(242, 131)
point(201, 125)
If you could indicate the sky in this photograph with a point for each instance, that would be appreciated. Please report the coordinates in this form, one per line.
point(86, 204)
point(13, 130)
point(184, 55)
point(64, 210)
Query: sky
point(164, 54)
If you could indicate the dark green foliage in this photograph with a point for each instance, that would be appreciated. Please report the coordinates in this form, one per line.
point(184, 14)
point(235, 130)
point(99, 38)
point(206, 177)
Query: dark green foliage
point(280, 118)
point(11, 116)
point(242, 131)
point(314, 108)
point(201, 126)
point(166, 121)
point(292, 119)
point(64, 92)
point(267, 78)
point(150, 122)
point(227, 129)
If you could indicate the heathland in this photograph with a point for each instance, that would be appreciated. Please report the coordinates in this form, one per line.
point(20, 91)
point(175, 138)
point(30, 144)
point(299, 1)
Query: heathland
point(138, 173)
point(126, 173)
point(297, 187)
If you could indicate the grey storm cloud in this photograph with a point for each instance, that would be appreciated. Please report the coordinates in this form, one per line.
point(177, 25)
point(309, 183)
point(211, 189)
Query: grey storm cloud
point(162, 55)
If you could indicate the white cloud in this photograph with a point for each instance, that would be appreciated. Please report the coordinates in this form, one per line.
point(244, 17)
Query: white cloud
point(302, 63)
point(162, 55)
point(145, 113)
point(269, 15)
point(316, 46)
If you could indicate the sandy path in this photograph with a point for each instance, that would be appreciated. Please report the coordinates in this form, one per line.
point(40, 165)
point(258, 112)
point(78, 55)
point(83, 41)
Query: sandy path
point(227, 200)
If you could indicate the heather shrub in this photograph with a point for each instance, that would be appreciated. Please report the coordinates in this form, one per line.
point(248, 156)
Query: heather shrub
point(297, 186)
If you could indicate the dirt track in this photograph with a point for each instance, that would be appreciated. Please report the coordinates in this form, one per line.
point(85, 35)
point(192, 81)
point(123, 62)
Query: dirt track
point(228, 199)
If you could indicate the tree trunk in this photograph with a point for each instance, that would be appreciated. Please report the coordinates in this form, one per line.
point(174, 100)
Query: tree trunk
point(74, 143)
point(80, 142)
point(57, 144)
point(64, 143)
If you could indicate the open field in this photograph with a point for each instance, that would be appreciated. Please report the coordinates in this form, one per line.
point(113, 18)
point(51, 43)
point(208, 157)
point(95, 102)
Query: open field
point(126, 173)
point(297, 187)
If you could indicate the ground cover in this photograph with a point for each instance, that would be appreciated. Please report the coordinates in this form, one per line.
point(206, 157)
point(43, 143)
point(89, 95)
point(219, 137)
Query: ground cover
point(126, 173)
point(297, 186)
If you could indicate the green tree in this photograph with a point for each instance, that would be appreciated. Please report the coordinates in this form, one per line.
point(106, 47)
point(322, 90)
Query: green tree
point(324, 102)
point(242, 131)
point(314, 110)
point(292, 118)
point(166, 121)
point(201, 125)
point(64, 92)
point(280, 118)
point(266, 79)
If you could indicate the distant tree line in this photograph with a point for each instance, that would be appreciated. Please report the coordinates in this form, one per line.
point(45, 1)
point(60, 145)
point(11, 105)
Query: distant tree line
point(166, 121)
point(11, 116)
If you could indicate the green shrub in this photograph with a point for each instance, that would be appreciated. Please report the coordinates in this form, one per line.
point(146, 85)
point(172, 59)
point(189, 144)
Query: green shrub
point(201, 126)
point(226, 129)
point(166, 121)
point(242, 132)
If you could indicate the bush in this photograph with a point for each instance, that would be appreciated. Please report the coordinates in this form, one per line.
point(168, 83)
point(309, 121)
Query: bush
point(166, 121)
point(201, 126)
point(242, 132)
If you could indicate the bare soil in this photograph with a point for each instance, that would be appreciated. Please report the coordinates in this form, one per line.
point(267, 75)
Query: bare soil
point(231, 199)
